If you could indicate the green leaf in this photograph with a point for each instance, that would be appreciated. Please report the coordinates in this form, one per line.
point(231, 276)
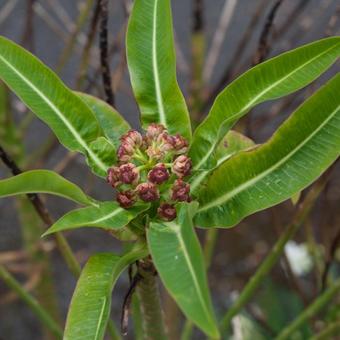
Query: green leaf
point(8, 131)
point(111, 122)
point(152, 66)
point(44, 93)
point(107, 153)
point(91, 302)
point(272, 79)
point(108, 215)
point(43, 181)
point(231, 144)
point(178, 258)
point(300, 150)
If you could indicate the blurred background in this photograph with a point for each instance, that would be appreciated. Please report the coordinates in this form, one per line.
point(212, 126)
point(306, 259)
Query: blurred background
point(216, 41)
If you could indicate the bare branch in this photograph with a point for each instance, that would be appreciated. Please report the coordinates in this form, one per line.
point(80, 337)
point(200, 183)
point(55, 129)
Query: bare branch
point(104, 56)
point(214, 52)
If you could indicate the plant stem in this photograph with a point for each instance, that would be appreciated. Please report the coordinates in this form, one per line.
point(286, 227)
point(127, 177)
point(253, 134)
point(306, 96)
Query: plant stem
point(275, 253)
point(68, 255)
point(39, 311)
point(209, 245)
point(104, 52)
point(148, 293)
point(69, 46)
point(310, 311)
point(187, 330)
point(331, 329)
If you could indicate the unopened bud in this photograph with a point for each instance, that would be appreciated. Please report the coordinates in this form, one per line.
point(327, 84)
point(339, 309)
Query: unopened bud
point(154, 130)
point(182, 166)
point(124, 155)
point(128, 173)
point(167, 212)
point(158, 174)
point(113, 176)
point(180, 144)
point(165, 142)
point(147, 192)
point(132, 138)
point(126, 199)
point(129, 143)
point(180, 191)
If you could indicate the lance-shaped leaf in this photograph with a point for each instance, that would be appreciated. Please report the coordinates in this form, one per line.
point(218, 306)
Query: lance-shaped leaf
point(300, 150)
point(108, 215)
point(232, 143)
point(43, 181)
point(272, 79)
point(152, 66)
point(177, 255)
point(90, 307)
point(44, 93)
point(111, 122)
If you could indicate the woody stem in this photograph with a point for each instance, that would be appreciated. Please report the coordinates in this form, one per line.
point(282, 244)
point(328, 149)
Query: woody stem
point(148, 293)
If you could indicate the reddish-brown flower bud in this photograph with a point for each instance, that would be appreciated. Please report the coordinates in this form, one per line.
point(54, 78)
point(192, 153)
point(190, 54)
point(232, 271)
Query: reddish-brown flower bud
point(166, 142)
point(180, 144)
point(182, 166)
point(128, 173)
point(126, 199)
point(132, 138)
point(180, 191)
point(113, 176)
point(158, 174)
point(154, 130)
point(147, 192)
point(123, 154)
point(167, 211)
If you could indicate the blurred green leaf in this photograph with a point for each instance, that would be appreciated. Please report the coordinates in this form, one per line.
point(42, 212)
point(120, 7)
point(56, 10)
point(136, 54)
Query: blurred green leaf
point(245, 328)
point(272, 79)
point(108, 215)
point(43, 92)
point(90, 307)
point(178, 258)
point(152, 66)
point(279, 306)
point(300, 150)
point(43, 181)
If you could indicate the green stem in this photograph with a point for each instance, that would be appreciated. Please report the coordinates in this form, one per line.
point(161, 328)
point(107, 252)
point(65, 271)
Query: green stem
point(310, 311)
point(68, 255)
point(274, 255)
point(330, 330)
point(40, 312)
point(187, 330)
point(148, 293)
point(209, 245)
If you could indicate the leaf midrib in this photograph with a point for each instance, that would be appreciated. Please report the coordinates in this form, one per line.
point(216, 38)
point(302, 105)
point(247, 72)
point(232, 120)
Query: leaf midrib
point(254, 101)
point(176, 229)
point(155, 67)
point(106, 217)
point(58, 113)
point(222, 199)
point(96, 337)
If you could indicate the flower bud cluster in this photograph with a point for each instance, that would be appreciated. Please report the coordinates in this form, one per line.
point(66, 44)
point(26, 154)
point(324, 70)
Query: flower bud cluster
point(152, 168)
